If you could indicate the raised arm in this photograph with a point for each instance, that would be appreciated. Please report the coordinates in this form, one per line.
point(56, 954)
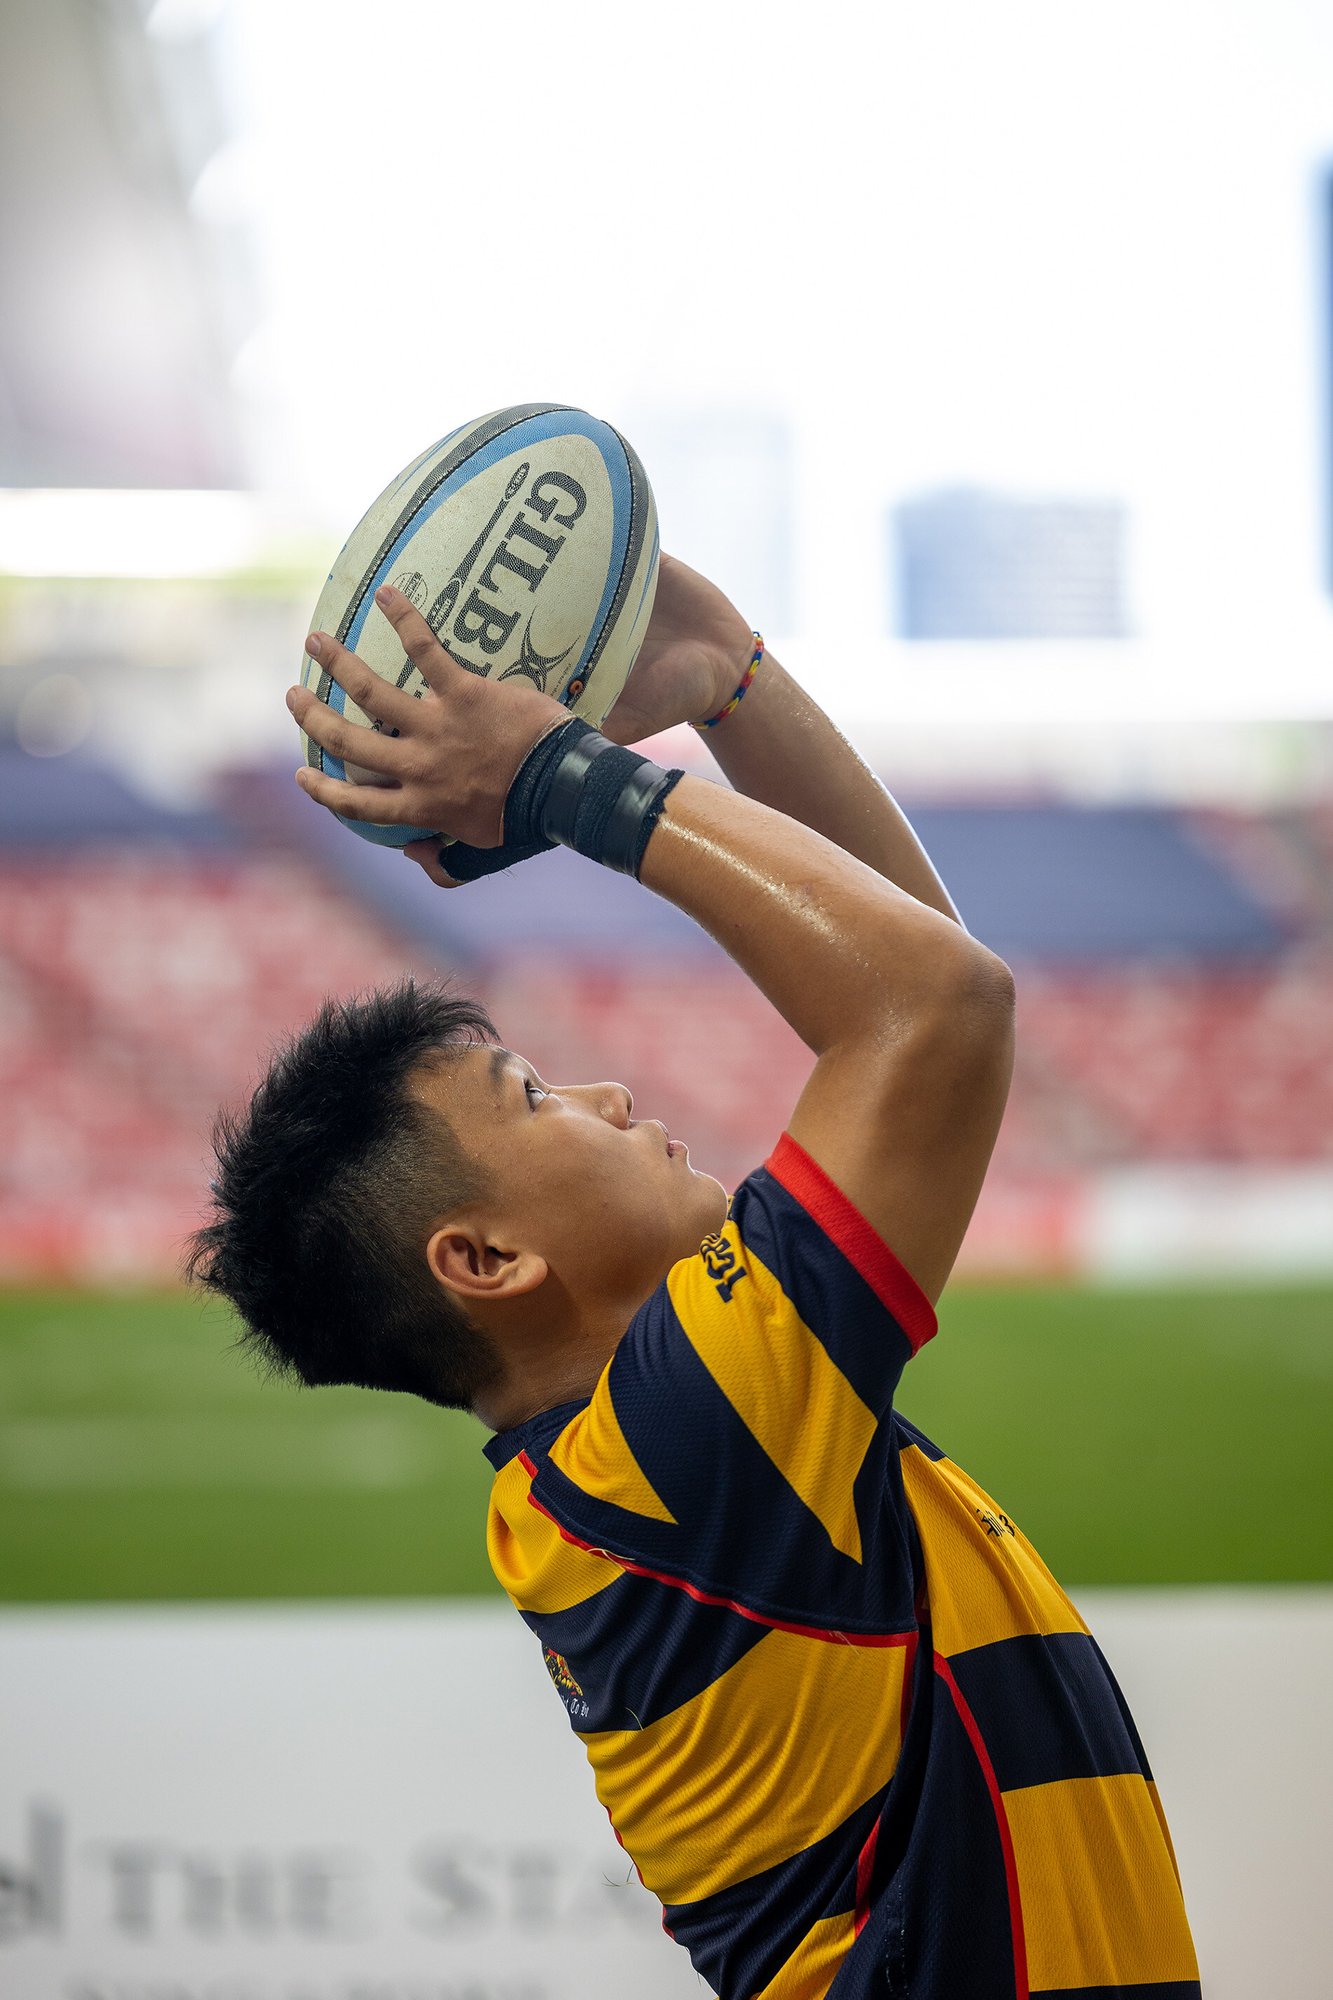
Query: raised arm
point(910, 1019)
point(913, 1027)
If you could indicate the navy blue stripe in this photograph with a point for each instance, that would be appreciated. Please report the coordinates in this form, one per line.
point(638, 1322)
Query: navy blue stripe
point(1158, 1989)
point(536, 1435)
point(740, 1530)
point(939, 1924)
point(1125, 1715)
point(843, 1312)
point(639, 1650)
point(908, 1434)
point(740, 1939)
point(1046, 1709)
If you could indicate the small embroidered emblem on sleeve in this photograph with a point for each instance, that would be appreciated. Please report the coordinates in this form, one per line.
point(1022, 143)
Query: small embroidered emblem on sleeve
point(568, 1689)
point(557, 1666)
point(995, 1524)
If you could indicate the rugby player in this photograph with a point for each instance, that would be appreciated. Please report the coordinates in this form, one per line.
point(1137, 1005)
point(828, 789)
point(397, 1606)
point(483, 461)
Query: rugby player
point(845, 1722)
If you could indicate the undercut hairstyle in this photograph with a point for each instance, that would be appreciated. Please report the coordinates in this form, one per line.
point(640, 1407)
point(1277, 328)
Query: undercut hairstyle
point(328, 1188)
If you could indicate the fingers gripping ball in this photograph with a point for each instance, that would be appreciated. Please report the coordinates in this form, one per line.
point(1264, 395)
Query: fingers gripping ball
point(528, 542)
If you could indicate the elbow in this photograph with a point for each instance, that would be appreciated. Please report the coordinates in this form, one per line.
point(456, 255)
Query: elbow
point(978, 986)
point(1001, 990)
point(974, 1016)
point(951, 990)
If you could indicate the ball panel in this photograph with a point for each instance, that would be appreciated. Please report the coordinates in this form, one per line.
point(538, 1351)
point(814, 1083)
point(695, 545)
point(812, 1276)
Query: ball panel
point(612, 645)
point(544, 650)
point(361, 567)
point(470, 531)
point(478, 612)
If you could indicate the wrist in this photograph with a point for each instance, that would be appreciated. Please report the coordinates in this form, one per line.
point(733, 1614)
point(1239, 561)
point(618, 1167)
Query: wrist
point(729, 659)
point(733, 685)
point(579, 788)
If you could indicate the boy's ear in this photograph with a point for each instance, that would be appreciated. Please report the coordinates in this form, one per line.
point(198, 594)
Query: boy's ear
point(467, 1264)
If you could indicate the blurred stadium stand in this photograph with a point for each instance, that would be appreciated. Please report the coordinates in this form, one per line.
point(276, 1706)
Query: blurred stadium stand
point(1175, 978)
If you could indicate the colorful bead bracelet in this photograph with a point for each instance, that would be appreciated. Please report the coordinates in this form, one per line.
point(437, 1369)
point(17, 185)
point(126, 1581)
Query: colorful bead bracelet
point(722, 713)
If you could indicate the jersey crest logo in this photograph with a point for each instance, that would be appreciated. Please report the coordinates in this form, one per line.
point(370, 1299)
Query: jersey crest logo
point(722, 1264)
point(557, 1666)
point(995, 1524)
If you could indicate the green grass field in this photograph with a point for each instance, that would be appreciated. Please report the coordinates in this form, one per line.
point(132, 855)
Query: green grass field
point(1140, 1436)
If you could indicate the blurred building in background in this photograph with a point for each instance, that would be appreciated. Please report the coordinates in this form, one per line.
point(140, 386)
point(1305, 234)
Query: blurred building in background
point(989, 566)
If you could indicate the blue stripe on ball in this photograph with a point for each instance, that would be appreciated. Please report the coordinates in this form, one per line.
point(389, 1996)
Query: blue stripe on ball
point(387, 836)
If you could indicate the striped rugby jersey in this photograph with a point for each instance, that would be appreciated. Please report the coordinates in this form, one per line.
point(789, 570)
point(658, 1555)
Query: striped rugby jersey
point(845, 1722)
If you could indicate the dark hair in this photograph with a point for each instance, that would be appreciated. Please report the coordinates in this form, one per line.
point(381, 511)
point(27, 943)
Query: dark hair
point(328, 1187)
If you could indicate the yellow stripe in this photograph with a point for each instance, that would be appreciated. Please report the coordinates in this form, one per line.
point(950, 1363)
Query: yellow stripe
point(982, 1586)
point(778, 1751)
point(531, 1558)
point(593, 1453)
point(812, 1967)
point(1166, 1831)
point(1101, 1905)
point(781, 1383)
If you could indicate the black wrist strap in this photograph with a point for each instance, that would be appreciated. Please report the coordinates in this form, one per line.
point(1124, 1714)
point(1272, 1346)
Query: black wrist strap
point(635, 814)
point(563, 789)
point(468, 864)
point(578, 788)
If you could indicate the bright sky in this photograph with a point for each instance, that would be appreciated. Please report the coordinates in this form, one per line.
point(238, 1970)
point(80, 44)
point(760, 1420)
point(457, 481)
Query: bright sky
point(1053, 248)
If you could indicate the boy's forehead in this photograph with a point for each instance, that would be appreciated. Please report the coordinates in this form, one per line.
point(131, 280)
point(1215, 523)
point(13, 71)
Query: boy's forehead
point(497, 1064)
point(484, 1069)
point(461, 1074)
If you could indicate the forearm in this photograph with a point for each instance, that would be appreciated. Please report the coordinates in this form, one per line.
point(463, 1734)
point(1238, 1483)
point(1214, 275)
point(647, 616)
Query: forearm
point(779, 747)
point(844, 955)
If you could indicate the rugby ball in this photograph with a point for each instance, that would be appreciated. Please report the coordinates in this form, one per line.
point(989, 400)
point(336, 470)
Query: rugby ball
point(528, 542)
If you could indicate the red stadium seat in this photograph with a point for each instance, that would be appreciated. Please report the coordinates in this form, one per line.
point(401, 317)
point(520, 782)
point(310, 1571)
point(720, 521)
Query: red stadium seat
point(139, 991)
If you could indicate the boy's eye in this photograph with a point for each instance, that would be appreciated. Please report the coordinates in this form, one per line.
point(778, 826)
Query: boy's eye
point(529, 1085)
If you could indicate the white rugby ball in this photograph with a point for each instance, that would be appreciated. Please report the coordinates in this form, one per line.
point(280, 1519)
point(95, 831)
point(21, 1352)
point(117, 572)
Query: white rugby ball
point(528, 541)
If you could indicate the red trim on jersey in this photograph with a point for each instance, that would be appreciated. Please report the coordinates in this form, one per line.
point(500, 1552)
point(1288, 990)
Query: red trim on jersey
point(865, 1863)
point(637, 1870)
point(844, 1225)
point(969, 1722)
point(706, 1597)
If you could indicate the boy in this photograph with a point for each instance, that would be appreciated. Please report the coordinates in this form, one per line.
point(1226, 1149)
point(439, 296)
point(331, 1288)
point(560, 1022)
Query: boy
point(844, 1721)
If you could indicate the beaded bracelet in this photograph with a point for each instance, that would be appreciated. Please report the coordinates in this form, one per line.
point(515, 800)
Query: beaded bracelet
point(722, 713)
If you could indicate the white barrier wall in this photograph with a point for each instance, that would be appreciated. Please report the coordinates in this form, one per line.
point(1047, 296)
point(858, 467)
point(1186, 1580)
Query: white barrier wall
point(305, 1804)
point(1151, 1222)
point(385, 1803)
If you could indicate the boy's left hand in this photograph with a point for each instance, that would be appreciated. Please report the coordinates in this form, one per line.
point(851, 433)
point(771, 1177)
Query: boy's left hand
point(692, 659)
